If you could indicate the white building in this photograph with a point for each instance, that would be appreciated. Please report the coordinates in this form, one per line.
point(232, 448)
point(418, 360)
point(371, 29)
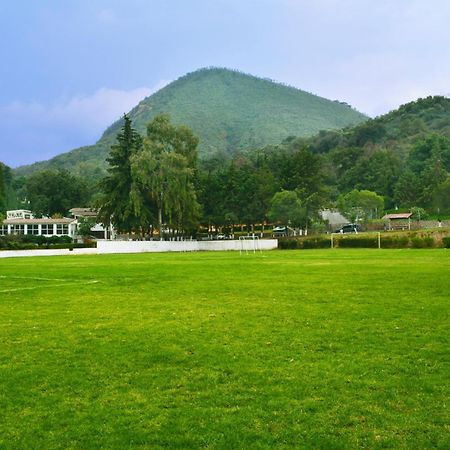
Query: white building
point(21, 221)
point(98, 230)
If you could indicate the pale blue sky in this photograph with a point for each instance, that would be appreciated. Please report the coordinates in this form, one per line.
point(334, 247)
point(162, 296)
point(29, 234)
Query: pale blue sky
point(70, 68)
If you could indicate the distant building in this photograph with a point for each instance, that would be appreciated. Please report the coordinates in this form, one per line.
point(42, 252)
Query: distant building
point(98, 231)
point(334, 218)
point(22, 221)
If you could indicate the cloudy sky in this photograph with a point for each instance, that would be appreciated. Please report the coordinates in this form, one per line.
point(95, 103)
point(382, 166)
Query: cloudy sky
point(70, 68)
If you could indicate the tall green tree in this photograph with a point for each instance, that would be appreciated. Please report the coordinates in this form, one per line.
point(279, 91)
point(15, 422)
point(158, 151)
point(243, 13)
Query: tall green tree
point(116, 204)
point(164, 173)
point(441, 197)
point(360, 205)
point(286, 208)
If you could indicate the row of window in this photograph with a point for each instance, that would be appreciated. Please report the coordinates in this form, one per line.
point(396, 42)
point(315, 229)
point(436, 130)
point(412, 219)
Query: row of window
point(46, 228)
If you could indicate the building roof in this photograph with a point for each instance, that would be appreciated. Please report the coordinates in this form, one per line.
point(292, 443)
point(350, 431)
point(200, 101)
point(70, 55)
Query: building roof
point(85, 212)
point(62, 221)
point(397, 216)
point(334, 218)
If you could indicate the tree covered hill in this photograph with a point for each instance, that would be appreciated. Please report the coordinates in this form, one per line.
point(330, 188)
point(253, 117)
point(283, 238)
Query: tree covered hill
point(397, 130)
point(227, 110)
point(403, 155)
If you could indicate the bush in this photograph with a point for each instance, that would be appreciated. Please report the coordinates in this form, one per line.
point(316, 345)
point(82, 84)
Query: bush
point(29, 242)
point(446, 242)
point(357, 242)
point(425, 242)
point(288, 244)
point(303, 243)
point(318, 242)
point(394, 242)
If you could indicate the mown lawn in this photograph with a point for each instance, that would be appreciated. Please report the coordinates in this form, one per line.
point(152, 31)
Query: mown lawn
point(288, 349)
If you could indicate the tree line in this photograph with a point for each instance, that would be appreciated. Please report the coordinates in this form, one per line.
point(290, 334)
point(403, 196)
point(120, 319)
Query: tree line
point(400, 161)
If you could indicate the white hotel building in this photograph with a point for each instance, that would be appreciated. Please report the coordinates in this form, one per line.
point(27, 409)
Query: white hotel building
point(21, 221)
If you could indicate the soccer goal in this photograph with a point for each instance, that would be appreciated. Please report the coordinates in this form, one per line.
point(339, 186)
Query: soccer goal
point(249, 244)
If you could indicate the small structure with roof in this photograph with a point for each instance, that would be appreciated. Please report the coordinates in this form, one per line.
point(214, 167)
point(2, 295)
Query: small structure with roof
point(398, 221)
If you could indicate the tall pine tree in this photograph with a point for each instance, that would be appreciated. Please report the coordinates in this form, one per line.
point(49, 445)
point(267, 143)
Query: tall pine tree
point(116, 202)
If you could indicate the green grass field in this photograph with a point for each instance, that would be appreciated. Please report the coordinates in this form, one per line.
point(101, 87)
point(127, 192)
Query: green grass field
point(288, 349)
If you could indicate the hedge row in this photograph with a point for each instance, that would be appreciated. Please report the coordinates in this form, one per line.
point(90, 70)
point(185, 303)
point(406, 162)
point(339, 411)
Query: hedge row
point(27, 242)
point(305, 243)
point(411, 241)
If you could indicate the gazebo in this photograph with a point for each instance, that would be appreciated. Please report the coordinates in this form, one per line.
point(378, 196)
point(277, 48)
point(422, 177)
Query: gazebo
point(398, 221)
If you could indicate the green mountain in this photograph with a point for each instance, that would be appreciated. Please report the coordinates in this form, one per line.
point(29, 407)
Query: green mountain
point(227, 110)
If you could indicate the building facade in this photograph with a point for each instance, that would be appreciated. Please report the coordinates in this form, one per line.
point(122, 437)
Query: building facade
point(22, 221)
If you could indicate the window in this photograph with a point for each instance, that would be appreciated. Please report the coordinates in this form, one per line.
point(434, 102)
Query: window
point(3, 230)
point(33, 229)
point(47, 228)
point(18, 229)
point(62, 229)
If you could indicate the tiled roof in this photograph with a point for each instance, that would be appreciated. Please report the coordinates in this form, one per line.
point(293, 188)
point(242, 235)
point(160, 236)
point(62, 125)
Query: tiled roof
point(398, 216)
point(62, 221)
point(88, 212)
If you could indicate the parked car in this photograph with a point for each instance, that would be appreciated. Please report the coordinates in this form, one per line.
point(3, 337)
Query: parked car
point(283, 231)
point(349, 228)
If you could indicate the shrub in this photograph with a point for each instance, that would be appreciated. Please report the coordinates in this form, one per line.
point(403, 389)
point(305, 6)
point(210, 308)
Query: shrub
point(394, 242)
point(446, 241)
point(29, 242)
point(318, 242)
point(288, 244)
point(425, 242)
point(357, 242)
point(303, 243)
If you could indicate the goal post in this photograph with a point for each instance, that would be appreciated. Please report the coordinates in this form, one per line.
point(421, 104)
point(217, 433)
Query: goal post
point(249, 243)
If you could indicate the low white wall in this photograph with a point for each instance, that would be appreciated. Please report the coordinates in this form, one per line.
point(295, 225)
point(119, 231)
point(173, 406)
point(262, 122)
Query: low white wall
point(106, 247)
point(183, 246)
point(50, 252)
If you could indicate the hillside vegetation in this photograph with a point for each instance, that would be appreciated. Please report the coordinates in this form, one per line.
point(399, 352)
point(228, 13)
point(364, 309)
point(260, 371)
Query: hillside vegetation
point(227, 110)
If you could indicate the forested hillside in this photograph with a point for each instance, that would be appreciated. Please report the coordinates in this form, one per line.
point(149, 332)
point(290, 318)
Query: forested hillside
point(403, 158)
point(403, 155)
point(227, 110)
point(397, 161)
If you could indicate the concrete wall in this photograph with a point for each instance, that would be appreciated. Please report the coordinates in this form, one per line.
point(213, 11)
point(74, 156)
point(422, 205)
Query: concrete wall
point(108, 247)
point(49, 252)
point(183, 246)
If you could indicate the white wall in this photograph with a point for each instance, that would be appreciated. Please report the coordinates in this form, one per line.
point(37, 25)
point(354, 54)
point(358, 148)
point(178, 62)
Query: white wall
point(106, 247)
point(47, 252)
point(183, 246)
